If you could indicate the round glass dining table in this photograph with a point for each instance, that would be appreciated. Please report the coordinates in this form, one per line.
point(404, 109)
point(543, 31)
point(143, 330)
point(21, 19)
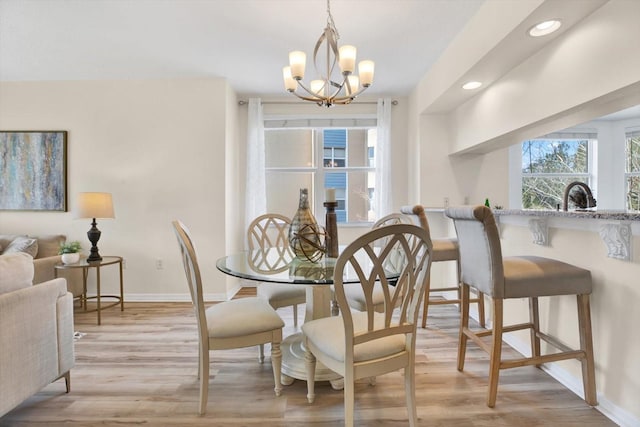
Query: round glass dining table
point(280, 265)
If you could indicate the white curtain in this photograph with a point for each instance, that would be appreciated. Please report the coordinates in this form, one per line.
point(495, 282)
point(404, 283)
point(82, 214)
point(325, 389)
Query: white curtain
point(382, 198)
point(256, 190)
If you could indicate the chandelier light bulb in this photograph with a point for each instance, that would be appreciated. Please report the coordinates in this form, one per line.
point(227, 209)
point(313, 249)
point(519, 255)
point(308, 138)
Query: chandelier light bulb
point(347, 59)
point(365, 70)
point(354, 82)
point(297, 61)
point(317, 86)
point(290, 83)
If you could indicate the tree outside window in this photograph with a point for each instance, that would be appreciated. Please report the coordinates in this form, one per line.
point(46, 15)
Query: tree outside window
point(548, 166)
point(632, 170)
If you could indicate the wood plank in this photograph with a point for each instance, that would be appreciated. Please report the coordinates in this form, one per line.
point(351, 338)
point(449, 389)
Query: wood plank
point(139, 367)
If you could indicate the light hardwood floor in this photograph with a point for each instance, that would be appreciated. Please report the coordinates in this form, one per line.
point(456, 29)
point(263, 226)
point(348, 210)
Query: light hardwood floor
point(139, 368)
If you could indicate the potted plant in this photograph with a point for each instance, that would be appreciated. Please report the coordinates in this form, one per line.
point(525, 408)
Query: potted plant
point(70, 252)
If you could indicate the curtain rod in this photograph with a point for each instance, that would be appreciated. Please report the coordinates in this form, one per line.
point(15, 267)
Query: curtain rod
point(243, 102)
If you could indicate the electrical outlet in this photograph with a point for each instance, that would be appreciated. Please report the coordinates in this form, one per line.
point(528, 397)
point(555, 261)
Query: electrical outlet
point(159, 264)
point(124, 264)
point(446, 202)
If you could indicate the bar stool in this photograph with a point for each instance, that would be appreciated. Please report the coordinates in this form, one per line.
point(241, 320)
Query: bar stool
point(443, 250)
point(484, 268)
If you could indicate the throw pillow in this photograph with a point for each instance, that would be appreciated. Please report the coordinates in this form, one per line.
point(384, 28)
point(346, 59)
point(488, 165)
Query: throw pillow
point(22, 244)
point(16, 272)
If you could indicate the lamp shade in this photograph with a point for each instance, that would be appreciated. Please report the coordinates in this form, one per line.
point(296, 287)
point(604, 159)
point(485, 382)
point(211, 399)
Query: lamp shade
point(94, 205)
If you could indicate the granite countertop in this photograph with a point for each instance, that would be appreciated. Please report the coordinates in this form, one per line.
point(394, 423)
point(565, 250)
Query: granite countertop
point(619, 215)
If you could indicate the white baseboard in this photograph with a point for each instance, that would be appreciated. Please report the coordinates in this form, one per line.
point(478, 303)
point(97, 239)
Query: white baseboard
point(171, 297)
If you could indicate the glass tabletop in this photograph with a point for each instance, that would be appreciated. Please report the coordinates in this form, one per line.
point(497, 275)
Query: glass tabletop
point(280, 265)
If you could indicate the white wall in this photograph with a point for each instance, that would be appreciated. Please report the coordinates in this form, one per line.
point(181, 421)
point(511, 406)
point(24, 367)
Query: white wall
point(159, 146)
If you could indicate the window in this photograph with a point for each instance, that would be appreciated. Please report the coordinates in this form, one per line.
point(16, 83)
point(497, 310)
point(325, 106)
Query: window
point(320, 158)
point(550, 164)
point(632, 170)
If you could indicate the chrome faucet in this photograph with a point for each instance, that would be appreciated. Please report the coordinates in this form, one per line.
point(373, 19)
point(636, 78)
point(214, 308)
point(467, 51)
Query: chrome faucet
point(591, 202)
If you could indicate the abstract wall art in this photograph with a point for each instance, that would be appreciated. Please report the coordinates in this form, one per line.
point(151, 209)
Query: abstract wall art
point(33, 170)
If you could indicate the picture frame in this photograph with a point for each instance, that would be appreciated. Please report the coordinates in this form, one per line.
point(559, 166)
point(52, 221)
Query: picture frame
point(33, 171)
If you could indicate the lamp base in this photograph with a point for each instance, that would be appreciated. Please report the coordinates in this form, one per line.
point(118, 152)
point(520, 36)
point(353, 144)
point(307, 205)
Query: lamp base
point(94, 235)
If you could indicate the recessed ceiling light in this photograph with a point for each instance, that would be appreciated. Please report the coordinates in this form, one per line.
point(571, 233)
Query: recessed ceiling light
point(471, 85)
point(544, 28)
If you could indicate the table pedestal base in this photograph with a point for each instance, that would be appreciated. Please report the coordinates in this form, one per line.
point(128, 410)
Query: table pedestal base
point(293, 365)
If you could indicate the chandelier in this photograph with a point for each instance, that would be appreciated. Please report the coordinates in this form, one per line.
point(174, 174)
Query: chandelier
point(328, 90)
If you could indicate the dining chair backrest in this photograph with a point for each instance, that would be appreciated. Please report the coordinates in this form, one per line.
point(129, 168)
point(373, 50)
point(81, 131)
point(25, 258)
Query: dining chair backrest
point(192, 271)
point(395, 260)
point(480, 251)
point(401, 306)
point(268, 231)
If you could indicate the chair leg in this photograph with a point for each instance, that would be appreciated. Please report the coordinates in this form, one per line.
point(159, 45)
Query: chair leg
point(310, 364)
point(481, 314)
point(67, 381)
point(295, 315)
point(204, 380)
point(410, 391)
point(425, 309)
point(496, 353)
point(261, 353)
point(276, 364)
point(586, 345)
point(464, 324)
point(534, 318)
point(349, 397)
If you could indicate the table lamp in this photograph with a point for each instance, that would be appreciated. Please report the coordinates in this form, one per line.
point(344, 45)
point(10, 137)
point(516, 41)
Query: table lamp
point(94, 205)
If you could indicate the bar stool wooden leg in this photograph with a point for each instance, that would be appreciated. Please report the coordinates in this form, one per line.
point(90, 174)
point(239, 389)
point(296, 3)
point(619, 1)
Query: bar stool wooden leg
point(464, 325)
point(481, 314)
point(496, 353)
point(586, 344)
point(534, 318)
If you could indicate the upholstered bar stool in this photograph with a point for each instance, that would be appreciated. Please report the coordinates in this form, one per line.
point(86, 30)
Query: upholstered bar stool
point(445, 249)
point(484, 268)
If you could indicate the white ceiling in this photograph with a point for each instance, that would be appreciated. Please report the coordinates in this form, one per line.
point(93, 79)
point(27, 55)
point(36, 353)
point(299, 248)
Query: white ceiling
point(245, 41)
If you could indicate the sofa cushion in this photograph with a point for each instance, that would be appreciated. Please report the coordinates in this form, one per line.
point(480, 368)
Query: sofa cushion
point(27, 245)
point(16, 271)
point(5, 239)
point(48, 245)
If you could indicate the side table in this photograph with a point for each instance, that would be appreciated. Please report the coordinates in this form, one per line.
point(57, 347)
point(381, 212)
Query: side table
point(85, 266)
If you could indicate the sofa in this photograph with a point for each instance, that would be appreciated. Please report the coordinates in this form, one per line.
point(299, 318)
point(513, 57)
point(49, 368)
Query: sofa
point(36, 331)
point(44, 250)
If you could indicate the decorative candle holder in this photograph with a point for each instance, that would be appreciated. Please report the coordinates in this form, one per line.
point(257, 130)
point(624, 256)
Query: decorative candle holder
point(331, 225)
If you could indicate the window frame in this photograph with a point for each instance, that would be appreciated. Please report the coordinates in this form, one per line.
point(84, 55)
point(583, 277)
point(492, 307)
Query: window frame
point(518, 176)
point(318, 170)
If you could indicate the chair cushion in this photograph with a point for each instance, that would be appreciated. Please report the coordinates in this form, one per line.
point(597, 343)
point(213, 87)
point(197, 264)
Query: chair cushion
point(531, 276)
point(328, 335)
point(355, 296)
point(24, 244)
point(16, 272)
point(445, 250)
point(281, 291)
point(242, 316)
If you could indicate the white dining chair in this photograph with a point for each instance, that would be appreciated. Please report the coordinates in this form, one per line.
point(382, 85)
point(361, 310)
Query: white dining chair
point(364, 344)
point(271, 231)
point(243, 322)
point(353, 291)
